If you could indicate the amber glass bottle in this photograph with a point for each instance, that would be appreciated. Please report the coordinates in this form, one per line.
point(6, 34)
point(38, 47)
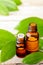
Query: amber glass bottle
point(20, 46)
point(32, 39)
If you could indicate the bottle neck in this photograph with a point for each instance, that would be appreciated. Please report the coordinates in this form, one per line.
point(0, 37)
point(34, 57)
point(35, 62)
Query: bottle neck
point(32, 29)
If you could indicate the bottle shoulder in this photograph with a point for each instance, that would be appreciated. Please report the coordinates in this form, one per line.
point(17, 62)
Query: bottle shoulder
point(32, 34)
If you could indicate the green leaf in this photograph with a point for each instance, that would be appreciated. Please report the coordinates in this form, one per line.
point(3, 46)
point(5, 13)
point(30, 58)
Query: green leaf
point(7, 45)
point(6, 6)
point(3, 9)
point(18, 2)
point(11, 5)
point(24, 24)
point(33, 58)
point(41, 44)
point(0, 56)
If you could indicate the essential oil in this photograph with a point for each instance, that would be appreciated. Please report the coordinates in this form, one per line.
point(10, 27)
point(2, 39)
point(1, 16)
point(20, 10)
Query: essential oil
point(20, 46)
point(32, 39)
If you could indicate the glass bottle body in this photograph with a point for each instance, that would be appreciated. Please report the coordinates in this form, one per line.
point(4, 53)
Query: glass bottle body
point(32, 39)
point(20, 48)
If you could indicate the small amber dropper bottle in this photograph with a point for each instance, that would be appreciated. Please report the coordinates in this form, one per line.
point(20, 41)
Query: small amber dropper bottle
point(20, 46)
point(32, 39)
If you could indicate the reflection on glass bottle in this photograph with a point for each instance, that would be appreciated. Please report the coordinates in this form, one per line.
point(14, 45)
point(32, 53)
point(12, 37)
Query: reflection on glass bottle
point(32, 39)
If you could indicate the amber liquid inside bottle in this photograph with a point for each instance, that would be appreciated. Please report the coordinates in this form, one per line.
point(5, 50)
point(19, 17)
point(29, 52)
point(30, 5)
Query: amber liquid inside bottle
point(32, 39)
point(20, 47)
